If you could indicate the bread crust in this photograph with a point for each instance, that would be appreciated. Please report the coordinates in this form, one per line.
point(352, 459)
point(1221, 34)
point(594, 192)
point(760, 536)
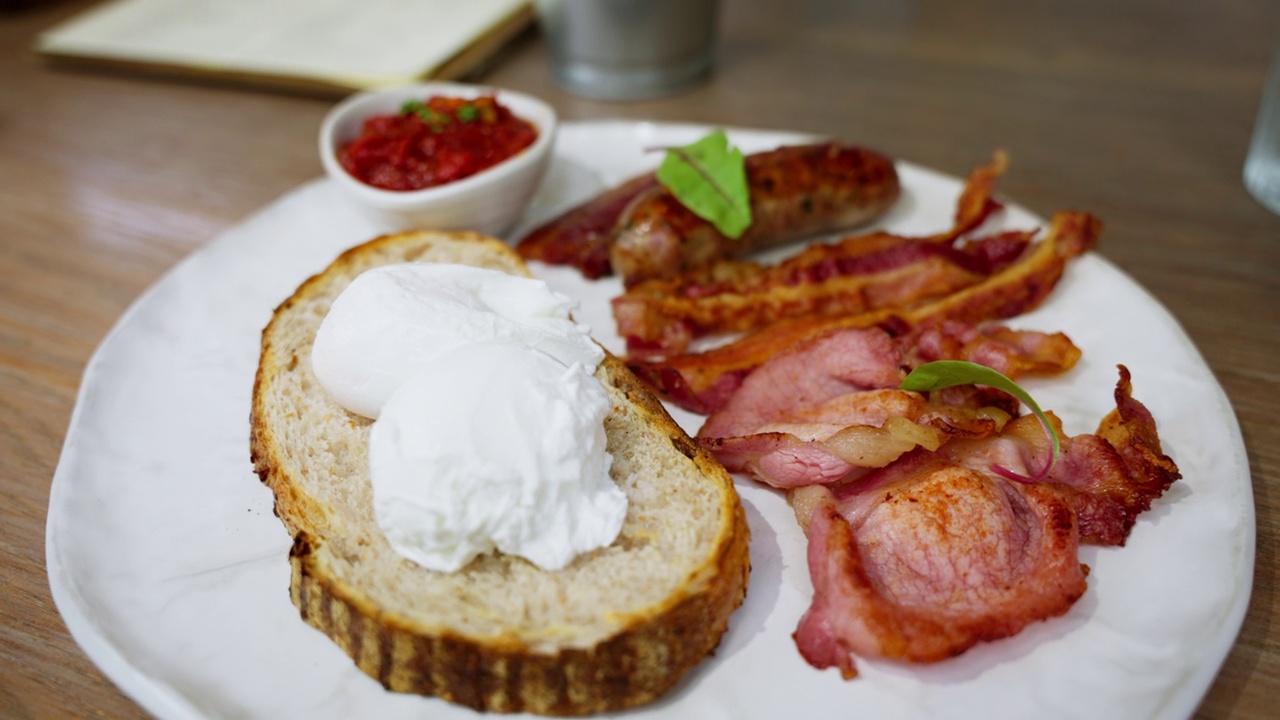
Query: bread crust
point(643, 659)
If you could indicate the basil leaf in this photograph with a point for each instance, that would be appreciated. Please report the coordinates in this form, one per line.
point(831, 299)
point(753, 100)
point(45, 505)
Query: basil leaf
point(948, 373)
point(710, 178)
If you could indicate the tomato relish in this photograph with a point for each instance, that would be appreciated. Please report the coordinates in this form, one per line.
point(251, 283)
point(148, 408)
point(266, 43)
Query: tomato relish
point(435, 142)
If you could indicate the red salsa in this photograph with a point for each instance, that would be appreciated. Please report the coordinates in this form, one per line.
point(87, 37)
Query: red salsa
point(435, 142)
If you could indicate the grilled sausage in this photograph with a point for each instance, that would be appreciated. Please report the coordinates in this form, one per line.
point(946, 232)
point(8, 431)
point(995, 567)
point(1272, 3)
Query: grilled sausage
point(796, 192)
point(581, 236)
point(640, 230)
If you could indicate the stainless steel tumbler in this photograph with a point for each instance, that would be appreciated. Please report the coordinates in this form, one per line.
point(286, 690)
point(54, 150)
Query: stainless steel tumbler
point(629, 49)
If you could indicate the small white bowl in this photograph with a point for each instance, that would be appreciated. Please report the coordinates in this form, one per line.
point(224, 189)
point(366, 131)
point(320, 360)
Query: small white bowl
point(488, 202)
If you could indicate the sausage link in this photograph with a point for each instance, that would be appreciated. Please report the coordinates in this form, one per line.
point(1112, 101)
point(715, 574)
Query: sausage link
point(582, 236)
point(796, 192)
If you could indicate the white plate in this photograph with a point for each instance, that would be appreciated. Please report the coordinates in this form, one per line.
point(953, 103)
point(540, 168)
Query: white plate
point(170, 569)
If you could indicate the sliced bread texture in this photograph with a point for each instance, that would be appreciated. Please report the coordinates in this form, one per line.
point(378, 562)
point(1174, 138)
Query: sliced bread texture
point(616, 628)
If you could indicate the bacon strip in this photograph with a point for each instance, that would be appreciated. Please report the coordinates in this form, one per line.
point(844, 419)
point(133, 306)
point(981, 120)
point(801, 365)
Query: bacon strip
point(821, 412)
point(935, 553)
point(809, 375)
point(1111, 476)
point(946, 558)
point(976, 202)
point(819, 380)
point(1012, 352)
point(823, 444)
point(782, 460)
point(659, 317)
point(702, 382)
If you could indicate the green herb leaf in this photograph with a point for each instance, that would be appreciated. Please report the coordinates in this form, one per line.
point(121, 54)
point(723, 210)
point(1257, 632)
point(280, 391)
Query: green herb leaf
point(710, 178)
point(467, 113)
point(948, 373)
point(437, 120)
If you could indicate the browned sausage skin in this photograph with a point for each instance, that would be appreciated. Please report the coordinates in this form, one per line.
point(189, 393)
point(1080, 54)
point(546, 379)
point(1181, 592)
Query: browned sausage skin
point(581, 237)
point(796, 191)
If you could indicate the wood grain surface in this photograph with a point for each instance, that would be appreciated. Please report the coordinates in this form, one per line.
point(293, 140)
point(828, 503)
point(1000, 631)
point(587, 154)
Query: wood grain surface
point(1138, 111)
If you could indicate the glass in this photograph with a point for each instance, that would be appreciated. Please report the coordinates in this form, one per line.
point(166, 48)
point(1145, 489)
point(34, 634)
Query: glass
point(1262, 165)
point(629, 49)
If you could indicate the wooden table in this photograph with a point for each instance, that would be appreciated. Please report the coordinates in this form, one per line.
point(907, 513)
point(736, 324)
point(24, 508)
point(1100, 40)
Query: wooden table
point(1138, 112)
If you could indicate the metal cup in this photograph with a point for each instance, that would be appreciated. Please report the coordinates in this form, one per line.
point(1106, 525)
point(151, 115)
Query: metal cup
point(1262, 164)
point(629, 49)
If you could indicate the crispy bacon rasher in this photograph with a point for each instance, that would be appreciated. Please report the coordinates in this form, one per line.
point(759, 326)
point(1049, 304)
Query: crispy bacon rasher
point(659, 317)
point(702, 382)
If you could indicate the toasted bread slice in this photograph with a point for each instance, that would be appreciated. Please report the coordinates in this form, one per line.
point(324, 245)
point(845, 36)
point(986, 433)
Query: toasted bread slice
point(616, 628)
